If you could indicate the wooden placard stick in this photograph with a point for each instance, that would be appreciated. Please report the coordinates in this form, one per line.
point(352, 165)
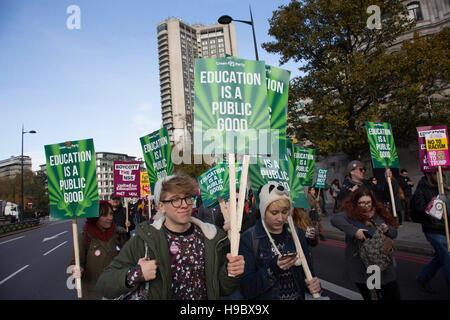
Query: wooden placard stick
point(232, 206)
point(391, 192)
point(441, 191)
point(302, 257)
point(242, 188)
point(126, 214)
point(225, 213)
point(77, 254)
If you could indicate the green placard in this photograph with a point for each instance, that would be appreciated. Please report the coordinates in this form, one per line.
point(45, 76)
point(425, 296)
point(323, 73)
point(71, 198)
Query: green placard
point(72, 179)
point(304, 161)
point(216, 183)
point(382, 146)
point(277, 100)
point(157, 156)
point(280, 170)
point(290, 150)
point(230, 108)
point(321, 179)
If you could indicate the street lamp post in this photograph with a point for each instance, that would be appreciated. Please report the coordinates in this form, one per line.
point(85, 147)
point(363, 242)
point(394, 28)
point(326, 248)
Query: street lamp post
point(227, 20)
point(21, 178)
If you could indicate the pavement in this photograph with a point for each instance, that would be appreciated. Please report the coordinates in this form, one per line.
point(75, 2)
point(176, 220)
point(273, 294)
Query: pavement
point(410, 237)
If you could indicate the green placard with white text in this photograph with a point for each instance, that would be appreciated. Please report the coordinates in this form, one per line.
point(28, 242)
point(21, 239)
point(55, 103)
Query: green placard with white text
point(382, 146)
point(157, 156)
point(279, 170)
point(304, 161)
point(321, 179)
point(277, 100)
point(230, 107)
point(216, 183)
point(72, 179)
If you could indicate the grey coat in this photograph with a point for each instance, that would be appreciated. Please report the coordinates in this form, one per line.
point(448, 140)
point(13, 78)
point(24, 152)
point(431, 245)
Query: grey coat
point(354, 266)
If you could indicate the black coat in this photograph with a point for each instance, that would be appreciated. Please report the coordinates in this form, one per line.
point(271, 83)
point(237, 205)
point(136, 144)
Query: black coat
point(424, 193)
point(119, 217)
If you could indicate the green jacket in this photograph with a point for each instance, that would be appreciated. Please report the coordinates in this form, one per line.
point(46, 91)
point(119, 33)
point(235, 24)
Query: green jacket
point(111, 283)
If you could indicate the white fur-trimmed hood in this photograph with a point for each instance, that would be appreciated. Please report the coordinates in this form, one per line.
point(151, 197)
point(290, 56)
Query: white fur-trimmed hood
point(209, 230)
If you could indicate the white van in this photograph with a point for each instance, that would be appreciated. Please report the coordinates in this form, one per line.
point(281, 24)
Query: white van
point(12, 209)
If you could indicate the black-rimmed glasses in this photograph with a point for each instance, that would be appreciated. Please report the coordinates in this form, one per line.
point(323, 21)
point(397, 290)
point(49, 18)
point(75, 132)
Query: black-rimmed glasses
point(176, 203)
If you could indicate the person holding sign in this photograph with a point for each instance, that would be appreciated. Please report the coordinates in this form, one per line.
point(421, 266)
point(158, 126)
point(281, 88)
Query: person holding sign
point(362, 215)
point(425, 210)
point(187, 259)
point(273, 253)
point(120, 220)
point(99, 243)
point(315, 213)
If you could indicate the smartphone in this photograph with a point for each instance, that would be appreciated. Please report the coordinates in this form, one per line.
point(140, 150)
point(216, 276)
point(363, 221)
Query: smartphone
point(287, 255)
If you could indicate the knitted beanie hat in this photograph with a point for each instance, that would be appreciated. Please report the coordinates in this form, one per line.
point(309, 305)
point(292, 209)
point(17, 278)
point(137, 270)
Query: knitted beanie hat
point(269, 193)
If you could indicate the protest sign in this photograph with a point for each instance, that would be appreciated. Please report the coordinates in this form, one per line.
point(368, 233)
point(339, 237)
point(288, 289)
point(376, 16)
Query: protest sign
point(421, 133)
point(72, 186)
point(127, 178)
point(382, 146)
point(277, 100)
point(157, 156)
point(437, 148)
point(304, 161)
point(437, 152)
point(145, 184)
point(216, 183)
point(72, 179)
point(279, 170)
point(230, 107)
point(383, 151)
point(321, 179)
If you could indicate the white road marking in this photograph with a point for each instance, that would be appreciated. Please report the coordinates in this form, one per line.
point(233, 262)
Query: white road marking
point(12, 275)
point(12, 239)
point(54, 237)
point(54, 248)
point(344, 292)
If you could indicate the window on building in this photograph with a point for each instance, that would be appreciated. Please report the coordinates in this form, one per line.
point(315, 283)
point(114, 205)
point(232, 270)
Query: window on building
point(161, 28)
point(414, 10)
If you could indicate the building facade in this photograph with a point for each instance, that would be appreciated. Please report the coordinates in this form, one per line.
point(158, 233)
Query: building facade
point(179, 44)
point(12, 166)
point(431, 16)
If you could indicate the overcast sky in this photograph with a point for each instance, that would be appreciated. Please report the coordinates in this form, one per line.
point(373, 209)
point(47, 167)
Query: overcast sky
point(101, 81)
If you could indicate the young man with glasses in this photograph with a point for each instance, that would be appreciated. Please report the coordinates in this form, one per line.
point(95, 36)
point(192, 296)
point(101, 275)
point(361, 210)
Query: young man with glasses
point(187, 258)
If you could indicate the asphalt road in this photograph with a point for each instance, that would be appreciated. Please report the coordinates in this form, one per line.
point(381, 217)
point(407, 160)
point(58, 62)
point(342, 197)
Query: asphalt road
point(33, 266)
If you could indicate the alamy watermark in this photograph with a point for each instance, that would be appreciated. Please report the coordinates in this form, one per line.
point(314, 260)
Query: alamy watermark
point(74, 20)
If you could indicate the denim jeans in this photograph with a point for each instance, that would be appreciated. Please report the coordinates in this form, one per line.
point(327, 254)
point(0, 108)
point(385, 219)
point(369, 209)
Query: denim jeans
point(441, 259)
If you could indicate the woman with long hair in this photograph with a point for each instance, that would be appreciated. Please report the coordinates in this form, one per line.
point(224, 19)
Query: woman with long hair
point(361, 215)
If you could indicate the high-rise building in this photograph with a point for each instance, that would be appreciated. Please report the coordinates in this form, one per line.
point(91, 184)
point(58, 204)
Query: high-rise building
point(178, 46)
point(12, 166)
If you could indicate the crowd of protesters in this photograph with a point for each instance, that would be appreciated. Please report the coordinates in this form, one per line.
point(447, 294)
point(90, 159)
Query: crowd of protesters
point(179, 249)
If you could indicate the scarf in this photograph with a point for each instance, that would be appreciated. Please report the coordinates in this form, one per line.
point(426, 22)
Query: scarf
point(92, 230)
